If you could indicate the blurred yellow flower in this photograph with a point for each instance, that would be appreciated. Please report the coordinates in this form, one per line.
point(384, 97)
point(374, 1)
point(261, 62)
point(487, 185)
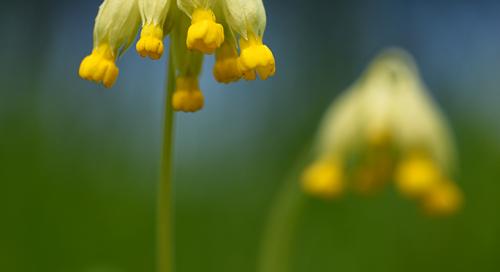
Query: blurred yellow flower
point(200, 26)
point(324, 178)
point(386, 128)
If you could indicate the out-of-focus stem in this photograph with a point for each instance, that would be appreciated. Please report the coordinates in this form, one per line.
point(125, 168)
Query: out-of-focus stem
point(280, 230)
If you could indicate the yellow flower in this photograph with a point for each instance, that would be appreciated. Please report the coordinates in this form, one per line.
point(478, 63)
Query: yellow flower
point(200, 26)
point(387, 128)
point(248, 19)
point(255, 57)
point(416, 174)
point(324, 178)
point(225, 67)
point(116, 24)
point(100, 65)
point(188, 96)
point(444, 198)
point(204, 34)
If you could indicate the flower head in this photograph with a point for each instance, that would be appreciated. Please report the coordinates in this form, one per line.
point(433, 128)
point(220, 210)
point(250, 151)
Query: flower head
point(387, 128)
point(197, 27)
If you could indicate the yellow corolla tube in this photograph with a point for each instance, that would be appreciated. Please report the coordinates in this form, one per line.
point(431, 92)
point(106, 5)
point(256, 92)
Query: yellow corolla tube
point(324, 178)
point(204, 34)
point(415, 175)
point(150, 42)
point(116, 25)
point(225, 67)
point(442, 199)
point(255, 57)
point(100, 66)
point(155, 27)
point(187, 96)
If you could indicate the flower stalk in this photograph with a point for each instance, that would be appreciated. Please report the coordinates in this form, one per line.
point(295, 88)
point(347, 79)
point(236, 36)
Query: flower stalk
point(165, 216)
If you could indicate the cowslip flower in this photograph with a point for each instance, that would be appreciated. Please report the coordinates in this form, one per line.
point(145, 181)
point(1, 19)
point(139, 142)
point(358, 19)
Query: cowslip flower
point(116, 25)
point(197, 27)
point(386, 128)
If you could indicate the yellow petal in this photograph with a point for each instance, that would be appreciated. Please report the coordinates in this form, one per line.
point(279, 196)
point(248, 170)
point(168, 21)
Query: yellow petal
point(100, 66)
point(187, 97)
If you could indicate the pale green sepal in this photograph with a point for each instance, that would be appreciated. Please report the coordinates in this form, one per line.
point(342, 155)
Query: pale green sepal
point(188, 6)
point(235, 16)
point(244, 14)
point(339, 129)
point(255, 16)
point(229, 33)
point(118, 21)
point(154, 11)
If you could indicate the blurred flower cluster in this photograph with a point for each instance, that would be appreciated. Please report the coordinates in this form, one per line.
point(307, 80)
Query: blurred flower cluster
point(205, 26)
point(386, 128)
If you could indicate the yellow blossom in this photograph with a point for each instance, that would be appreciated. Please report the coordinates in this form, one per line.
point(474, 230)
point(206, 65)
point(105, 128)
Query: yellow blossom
point(204, 34)
point(416, 174)
point(154, 16)
point(248, 19)
point(116, 25)
point(324, 178)
point(255, 57)
point(100, 65)
point(187, 96)
point(225, 67)
point(444, 198)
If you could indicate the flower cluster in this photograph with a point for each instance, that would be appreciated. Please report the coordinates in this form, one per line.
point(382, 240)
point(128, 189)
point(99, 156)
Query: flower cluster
point(386, 128)
point(197, 27)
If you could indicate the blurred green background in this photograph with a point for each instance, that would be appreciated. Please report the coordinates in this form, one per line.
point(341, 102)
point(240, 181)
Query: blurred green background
point(79, 163)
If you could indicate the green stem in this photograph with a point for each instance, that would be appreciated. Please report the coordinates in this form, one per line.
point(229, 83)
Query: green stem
point(165, 215)
point(284, 218)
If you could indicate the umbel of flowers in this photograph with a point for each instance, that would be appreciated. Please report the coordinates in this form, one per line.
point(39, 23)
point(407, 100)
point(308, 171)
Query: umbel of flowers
point(197, 27)
point(386, 128)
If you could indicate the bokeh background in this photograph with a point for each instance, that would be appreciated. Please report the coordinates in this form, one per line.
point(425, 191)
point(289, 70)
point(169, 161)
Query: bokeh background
point(79, 163)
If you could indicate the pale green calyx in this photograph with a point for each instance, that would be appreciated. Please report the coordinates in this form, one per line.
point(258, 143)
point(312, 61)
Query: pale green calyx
point(154, 11)
point(188, 6)
point(245, 15)
point(117, 21)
